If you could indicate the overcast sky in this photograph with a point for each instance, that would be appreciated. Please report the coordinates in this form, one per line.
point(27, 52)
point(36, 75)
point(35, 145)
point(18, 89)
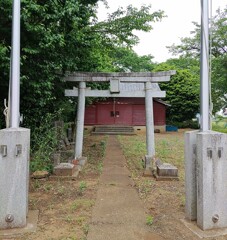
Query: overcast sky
point(178, 24)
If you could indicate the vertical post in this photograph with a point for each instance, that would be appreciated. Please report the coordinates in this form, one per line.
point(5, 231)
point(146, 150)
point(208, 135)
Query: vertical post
point(204, 66)
point(149, 125)
point(190, 157)
point(80, 121)
point(15, 67)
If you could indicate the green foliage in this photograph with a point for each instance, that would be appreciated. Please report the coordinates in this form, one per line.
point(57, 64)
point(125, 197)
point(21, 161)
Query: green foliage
point(60, 36)
point(82, 187)
point(149, 220)
point(126, 60)
point(44, 142)
point(220, 124)
point(182, 93)
point(185, 124)
point(118, 28)
point(190, 47)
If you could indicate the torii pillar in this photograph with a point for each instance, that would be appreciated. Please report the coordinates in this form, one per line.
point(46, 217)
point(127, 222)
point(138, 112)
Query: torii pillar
point(150, 144)
point(80, 121)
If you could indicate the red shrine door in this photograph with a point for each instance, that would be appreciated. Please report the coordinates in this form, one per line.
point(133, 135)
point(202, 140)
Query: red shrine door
point(114, 113)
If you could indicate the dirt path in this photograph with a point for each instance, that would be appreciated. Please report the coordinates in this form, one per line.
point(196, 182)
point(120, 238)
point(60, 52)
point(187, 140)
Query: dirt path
point(118, 212)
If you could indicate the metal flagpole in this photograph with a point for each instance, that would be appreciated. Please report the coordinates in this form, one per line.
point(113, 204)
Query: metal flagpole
point(204, 67)
point(15, 67)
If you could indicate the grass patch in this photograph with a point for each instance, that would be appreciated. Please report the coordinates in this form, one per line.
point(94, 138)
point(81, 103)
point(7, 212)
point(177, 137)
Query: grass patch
point(82, 203)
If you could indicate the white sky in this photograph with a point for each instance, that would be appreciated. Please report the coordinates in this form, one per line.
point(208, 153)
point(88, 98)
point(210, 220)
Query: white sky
point(177, 24)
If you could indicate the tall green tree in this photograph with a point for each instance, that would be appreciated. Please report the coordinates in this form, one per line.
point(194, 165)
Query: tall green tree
point(190, 48)
point(126, 60)
point(182, 93)
point(59, 36)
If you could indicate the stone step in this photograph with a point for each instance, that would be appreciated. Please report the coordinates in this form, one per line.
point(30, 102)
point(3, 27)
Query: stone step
point(113, 133)
point(113, 130)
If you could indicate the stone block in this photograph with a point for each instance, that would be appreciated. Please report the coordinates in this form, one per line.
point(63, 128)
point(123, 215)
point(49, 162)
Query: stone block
point(190, 175)
point(167, 170)
point(14, 177)
point(56, 158)
point(148, 162)
point(65, 169)
point(82, 161)
point(211, 180)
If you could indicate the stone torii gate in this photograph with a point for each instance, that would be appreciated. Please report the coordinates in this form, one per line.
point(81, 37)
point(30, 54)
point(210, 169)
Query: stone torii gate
point(149, 92)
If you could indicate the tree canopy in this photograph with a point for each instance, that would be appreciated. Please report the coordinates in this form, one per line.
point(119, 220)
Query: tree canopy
point(182, 92)
point(59, 36)
point(190, 49)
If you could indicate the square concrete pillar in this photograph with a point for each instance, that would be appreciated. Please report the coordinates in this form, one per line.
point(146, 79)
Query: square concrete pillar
point(14, 177)
point(190, 175)
point(212, 180)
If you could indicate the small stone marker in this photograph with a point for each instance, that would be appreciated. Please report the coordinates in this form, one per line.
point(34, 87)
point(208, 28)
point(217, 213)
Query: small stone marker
point(70, 134)
point(67, 143)
point(56, 158)
point(65, 169)
point(82, 161)
point(40, 174)
point(165, 171)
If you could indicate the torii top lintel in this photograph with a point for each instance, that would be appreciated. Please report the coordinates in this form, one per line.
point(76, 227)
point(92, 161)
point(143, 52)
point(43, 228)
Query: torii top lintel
point(121, 76)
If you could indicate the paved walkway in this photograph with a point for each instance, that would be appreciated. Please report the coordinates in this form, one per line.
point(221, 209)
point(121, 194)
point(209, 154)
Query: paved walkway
point(118, 213)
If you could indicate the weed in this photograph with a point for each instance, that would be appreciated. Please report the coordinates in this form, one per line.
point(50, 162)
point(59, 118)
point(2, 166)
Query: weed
point(82, 203)
point(69, 238)
point(36, 184)
point(47, 187)
point(74, 206)
point(80, 220)
point(103, 146)
point(149, 220)
point(183, 201)
point(33, 203)
point(100, 167)
point(86, 228)
point(82, 187)
point(145, 187)
point(69, 219)
point(44, 143)
point(61, 190)
point(51, 206)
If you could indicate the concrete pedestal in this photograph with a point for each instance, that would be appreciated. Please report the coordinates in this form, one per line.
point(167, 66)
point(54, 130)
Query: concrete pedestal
point(212, 180)
point(14, 177)
point(206, 178)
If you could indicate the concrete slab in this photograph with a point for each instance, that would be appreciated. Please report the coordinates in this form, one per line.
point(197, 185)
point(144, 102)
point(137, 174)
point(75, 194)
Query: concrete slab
point(120, 232)
point(31, 226)
point(192, 225)
point(119, 176)
point(118, 213)
point(117, 205)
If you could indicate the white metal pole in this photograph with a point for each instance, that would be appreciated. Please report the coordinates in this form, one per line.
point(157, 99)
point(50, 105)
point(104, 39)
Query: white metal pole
point(15, 67)
point(204, 67)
